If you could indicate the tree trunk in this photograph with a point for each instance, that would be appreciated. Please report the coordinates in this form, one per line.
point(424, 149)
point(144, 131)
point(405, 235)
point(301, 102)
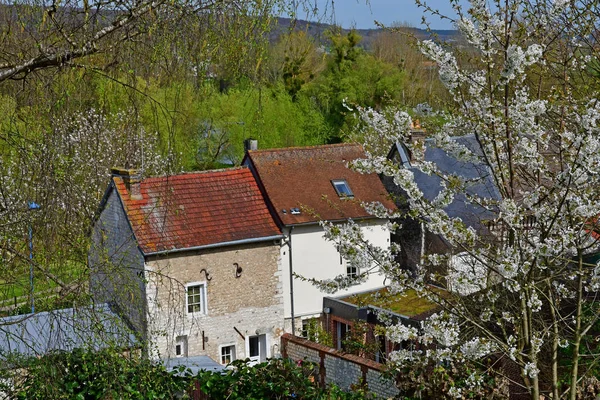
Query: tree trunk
point(577, 341)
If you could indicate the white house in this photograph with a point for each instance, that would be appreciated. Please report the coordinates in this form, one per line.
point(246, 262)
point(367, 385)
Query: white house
point(304, 186)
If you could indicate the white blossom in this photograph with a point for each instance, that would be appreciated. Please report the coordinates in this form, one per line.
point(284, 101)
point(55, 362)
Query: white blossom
point(531, 370)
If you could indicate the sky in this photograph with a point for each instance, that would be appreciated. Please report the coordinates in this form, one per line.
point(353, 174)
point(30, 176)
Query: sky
point(357, 14)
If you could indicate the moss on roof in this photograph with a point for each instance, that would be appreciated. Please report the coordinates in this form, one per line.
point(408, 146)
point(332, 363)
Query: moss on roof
point(409, 303)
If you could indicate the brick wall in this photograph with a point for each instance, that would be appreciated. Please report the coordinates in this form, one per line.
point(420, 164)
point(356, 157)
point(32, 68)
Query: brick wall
point(245, 306)
point(345, 370)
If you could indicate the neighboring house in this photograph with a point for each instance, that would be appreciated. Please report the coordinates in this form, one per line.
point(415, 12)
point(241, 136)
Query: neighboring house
point(303, 186)
point(193, 260)
point(413, 239)
point(364, 312)
point(34, 335)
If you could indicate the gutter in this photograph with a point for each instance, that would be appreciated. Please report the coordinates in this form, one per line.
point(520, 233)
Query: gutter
point(213, 245)
point(335, 221)
point(291, 281)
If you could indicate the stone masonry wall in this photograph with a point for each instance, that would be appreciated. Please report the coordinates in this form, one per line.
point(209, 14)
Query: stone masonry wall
point(237, 307)
point(116, 264)
point(345, 370)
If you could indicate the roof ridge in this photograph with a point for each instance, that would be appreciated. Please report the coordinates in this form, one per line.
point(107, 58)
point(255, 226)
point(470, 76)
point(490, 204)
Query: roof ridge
point(304, 148)
point(204, 172)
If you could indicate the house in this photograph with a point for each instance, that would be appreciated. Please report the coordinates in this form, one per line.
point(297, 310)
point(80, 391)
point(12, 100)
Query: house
point(303, 186)
point(354, 319)
point(414, 240)
point(193, 261)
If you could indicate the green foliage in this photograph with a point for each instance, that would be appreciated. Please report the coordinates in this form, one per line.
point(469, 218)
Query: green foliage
point(294, 60)
point(345, 48)
point(313, 330)
point(589, 348)
point(274, 379)
point(355, 77)
point(267, 114)
point(292, 75)
point(107, 374)
point(360, 340)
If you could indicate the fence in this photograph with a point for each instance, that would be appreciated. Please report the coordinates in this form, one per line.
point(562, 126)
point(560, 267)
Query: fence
point(345, 370)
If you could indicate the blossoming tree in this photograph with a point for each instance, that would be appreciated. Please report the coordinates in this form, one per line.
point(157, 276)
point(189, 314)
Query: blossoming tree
point(525, 293)
point(66, 175)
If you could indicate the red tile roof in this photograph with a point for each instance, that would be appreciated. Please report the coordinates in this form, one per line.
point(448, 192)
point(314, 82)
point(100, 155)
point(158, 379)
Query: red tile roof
point(197, 209)
point(300, 177)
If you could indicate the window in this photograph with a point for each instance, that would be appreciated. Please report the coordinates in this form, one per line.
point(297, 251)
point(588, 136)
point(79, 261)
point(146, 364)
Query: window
point(351, 270)
point(227, 354)
point(310, 329)
point(342, 334)
point(381, 354)
point(181, 346)
point(305, 328)
point(342, 188)
point(196, 298)
point(401, 155)
point(256, 348)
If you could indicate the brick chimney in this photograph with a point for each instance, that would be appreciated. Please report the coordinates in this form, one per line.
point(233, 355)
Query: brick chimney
point(250, 144)
point(132, 179)
point(417, 142)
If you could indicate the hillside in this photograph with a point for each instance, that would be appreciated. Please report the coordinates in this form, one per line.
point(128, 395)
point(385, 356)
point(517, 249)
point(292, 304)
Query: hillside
point(318, 30)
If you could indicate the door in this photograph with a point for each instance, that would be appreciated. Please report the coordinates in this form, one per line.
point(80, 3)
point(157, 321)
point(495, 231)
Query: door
point(257, 349)
point(343, 330)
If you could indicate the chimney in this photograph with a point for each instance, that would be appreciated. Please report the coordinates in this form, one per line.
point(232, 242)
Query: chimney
point(417, 142)
point(132, 179)
point(250, 144)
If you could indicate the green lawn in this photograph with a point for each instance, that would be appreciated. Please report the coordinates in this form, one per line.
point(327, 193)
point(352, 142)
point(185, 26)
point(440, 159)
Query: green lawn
point(15, 287)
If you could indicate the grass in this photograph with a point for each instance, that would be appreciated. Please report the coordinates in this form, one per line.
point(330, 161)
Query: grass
point(409, 303)
point(16, 286)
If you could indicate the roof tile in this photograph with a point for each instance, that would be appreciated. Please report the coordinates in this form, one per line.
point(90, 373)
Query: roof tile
point(196, 209)
point(301, 177)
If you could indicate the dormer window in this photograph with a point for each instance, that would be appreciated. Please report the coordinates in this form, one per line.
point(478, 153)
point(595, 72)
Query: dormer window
point(342, 188)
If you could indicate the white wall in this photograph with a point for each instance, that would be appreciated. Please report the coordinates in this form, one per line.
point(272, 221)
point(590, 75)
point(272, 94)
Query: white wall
point(314, 257)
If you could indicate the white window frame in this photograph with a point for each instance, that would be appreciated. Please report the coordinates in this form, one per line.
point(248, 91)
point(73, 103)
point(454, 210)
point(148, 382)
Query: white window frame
point(203, 299)
point(233, 355)
point(306, 326)
point(349, 268)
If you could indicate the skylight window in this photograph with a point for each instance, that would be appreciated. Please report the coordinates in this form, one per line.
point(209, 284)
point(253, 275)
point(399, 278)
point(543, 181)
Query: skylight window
point(342, 188)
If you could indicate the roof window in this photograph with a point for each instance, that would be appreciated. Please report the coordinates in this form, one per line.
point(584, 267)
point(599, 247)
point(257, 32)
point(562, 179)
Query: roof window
point(342, 188)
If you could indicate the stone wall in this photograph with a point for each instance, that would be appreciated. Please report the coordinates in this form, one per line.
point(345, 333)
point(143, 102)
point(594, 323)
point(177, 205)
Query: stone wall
point(116, 264)
point(237, 306)
point(345, 370)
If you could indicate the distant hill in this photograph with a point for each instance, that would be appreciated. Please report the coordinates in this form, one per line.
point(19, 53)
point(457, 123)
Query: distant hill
point(317, 30)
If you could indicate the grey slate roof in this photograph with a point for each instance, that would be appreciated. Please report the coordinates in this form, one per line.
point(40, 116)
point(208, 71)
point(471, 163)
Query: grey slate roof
point(32, 335)
point(195, 364)
point(481, 183)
